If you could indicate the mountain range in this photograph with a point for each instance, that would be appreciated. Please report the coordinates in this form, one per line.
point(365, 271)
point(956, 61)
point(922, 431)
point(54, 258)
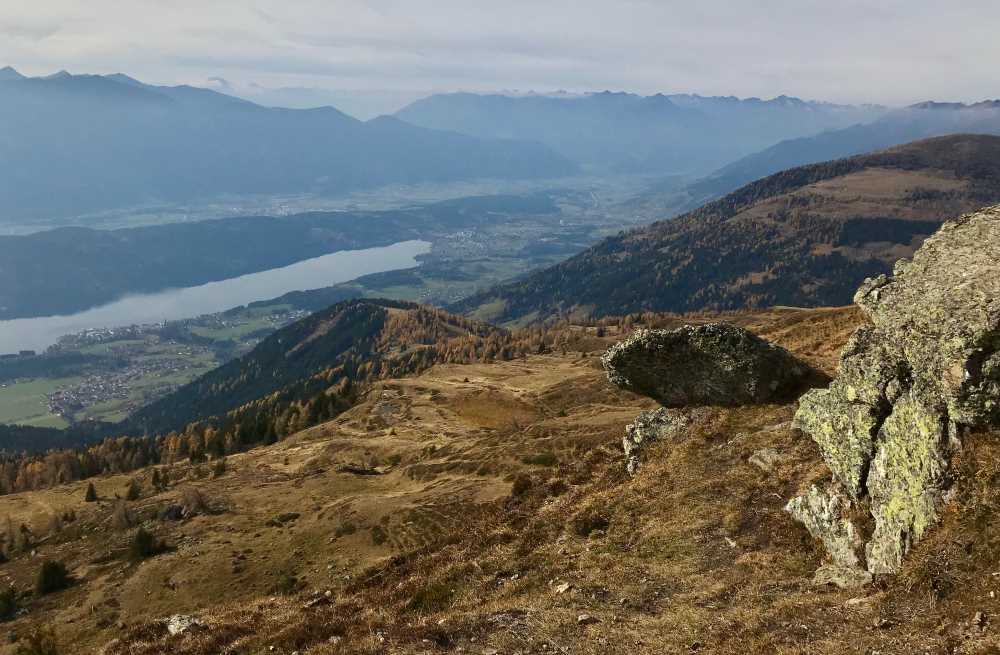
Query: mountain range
point(71, 144)
point(805, 237)
point(624, 132)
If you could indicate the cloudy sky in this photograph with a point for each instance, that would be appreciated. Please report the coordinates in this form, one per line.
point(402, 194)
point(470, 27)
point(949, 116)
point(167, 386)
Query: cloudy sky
point(887, 51)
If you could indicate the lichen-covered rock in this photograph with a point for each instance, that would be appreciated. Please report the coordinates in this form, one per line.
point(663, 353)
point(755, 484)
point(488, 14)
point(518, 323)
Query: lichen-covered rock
point(824, 513)
point(942, 308)
point(715, 364)
point(928, 366)
point(845, 577)
point(907, 481)
point(655, 425)
point(844, 432)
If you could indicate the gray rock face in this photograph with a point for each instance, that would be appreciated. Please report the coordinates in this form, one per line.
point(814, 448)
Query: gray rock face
point(928, 367)
point(715, 364)
point(179, 624)
point(824, 514)
point(655, 425)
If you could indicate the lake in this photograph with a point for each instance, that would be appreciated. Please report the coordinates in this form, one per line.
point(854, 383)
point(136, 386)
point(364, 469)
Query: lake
point(40, 333)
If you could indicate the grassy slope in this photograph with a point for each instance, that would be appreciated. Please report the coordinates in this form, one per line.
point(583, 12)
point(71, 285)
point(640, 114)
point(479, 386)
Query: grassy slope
point(694, 554)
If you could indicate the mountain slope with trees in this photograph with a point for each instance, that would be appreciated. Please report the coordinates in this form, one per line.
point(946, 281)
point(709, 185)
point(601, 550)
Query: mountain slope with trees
point(921, 121)
point(806, 237)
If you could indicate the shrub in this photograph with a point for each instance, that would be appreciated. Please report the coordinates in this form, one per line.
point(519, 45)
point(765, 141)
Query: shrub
point(91, 495)
point(286, 584)
point(41, 641)
point(16, 540)
point(144, 545)
point(434, 597)
point(541, 459)
point(379, 535)
point(134, 491)
point(192, 501)
point(8, 603)
point(345, 528)
point(121, 516)
point(522, 485)
point(219, 467)
point(52, 577)
point(589, 521)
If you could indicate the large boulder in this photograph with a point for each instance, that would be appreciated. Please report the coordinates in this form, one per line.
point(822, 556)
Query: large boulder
point(715, 364)
point(926, 369)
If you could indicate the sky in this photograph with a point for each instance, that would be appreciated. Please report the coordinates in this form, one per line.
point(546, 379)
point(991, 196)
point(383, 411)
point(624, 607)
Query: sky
point(889, 52)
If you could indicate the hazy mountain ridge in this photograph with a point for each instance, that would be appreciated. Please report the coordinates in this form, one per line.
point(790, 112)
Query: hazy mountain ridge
point(78, 143)
point(627, 132)
point(806, 236)
point(919, 121)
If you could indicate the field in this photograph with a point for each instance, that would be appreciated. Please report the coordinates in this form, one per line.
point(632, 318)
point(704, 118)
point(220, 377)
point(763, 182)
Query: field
point(25, 402)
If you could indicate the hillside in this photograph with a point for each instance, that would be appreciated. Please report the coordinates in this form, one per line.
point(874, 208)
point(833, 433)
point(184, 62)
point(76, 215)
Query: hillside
point(350, 343)
point(73, 144)
point(443, 450)
point(921, 121)
point(623, 132)
point(804, 237)
point(494, 506)
point(500, 519)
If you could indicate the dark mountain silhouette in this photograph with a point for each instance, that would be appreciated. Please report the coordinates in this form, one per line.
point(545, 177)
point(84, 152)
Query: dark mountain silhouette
point(71, 144)
point(806, 236)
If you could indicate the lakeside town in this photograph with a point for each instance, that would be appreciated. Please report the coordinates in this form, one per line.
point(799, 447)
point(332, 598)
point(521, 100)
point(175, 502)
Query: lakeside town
point(107, 373)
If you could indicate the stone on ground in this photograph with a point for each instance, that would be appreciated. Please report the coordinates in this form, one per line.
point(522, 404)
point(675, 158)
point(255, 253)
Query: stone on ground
point(715, 364)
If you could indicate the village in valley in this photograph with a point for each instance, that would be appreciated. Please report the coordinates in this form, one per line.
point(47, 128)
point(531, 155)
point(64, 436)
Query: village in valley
point(105, 374)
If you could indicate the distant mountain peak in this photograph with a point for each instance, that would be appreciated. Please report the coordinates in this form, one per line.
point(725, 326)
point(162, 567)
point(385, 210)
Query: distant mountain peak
point(122, 78)
point(61, 75)
point(9, 73)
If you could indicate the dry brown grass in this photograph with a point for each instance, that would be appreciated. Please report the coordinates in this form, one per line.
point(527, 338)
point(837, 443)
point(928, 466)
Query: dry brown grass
point(694, 554)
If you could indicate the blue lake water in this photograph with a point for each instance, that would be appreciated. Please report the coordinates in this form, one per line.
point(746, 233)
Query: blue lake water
point(40, 333)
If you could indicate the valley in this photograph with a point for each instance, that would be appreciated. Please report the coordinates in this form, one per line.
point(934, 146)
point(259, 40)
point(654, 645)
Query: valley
point(148, 347)
point(806, 236)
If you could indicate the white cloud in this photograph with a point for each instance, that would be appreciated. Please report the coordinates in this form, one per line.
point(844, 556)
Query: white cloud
point(886, 51)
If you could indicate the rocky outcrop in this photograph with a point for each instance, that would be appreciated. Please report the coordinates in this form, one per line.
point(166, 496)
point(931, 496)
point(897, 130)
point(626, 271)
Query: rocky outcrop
point(655, 425)
point(715, 364)
point(927, 368)
point(824, 513)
